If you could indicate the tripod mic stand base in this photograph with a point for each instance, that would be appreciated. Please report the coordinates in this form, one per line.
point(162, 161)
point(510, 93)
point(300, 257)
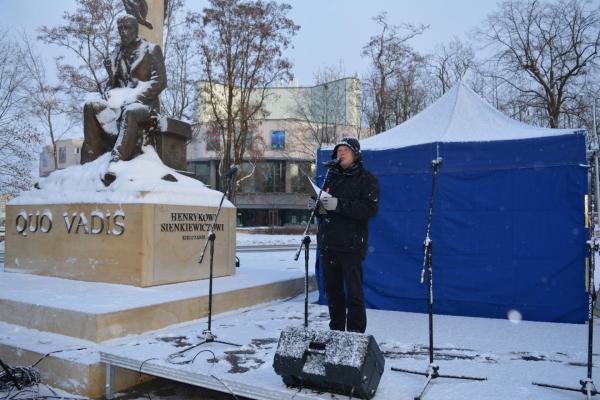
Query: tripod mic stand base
point(587, 386)
point(433, 373)
point(209, 337)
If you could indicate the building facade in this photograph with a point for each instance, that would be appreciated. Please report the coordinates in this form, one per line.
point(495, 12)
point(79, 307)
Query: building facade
point(281, 148)
point(68, 152)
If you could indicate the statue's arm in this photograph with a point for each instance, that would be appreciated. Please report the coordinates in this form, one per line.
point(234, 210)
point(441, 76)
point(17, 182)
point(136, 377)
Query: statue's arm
point(108, 65)
point(158, 77)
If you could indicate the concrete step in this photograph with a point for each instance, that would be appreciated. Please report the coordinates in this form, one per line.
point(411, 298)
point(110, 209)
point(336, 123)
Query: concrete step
point(100, 311)
point(64, 362)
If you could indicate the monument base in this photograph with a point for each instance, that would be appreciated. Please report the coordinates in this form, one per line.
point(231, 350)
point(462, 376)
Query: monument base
point(133, 244)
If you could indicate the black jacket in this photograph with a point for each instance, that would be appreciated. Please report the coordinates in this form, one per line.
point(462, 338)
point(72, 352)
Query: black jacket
point(346, 228)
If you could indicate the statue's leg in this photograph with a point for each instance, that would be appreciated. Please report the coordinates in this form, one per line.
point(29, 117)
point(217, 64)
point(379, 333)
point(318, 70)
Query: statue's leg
point(96, 142)
point(128, 144)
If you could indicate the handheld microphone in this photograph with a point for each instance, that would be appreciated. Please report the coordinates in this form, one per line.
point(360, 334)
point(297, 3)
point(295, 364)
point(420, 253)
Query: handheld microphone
point(232, 171)
point(332, 163)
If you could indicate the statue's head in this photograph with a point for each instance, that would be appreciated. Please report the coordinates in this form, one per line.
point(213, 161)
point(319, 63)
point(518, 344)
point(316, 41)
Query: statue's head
point(128, 29)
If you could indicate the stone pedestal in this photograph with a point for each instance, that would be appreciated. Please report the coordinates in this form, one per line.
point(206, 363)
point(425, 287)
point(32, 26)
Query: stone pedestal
point(133, 244)
point(171, 142)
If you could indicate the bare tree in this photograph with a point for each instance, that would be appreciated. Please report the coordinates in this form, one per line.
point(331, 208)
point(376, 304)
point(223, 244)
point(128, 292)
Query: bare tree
point(544, 51)
point(89, 34)
point(241, 44)
point(320, 109)
point(388, 52)
point(182, 62)
point(18, 139)
point(408, 93)
point(45, 102)
point(449, 64)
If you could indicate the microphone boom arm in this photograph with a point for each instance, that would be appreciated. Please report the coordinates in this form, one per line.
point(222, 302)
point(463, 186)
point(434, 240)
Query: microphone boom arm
point(312, 214)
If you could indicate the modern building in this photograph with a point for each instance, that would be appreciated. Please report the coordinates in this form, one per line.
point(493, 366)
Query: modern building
point(281, 148)
point(3, 200)
point(68, 152)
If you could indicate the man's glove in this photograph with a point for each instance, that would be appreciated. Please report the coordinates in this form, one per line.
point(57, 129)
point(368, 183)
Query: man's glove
point(329, 203)
point(312, 203)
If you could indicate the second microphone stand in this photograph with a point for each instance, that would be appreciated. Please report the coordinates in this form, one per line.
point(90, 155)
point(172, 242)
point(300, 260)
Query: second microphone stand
point(306, 243)
point(433, 369)
point(207, 334)
point(587, 385)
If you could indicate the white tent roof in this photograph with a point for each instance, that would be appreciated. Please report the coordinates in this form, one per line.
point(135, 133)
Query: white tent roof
point(460, 115)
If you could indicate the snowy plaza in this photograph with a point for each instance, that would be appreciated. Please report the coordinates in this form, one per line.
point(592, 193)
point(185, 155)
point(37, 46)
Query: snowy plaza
point(510, 353)
point(302, 200)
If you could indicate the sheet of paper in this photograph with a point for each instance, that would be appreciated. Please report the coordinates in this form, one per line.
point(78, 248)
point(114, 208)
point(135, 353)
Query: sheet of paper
point(315, 189)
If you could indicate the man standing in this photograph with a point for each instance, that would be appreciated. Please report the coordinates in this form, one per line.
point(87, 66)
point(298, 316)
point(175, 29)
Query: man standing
point(136, 76)
point(343, 233)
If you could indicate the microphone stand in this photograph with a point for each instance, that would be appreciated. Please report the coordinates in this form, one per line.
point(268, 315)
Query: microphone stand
point(592, 221)
point(207, 334)
point(305, 243)
point(433, 369)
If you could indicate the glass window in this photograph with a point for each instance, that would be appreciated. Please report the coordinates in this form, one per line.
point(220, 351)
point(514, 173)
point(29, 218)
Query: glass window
point(62, 154)
point(278, 140)
point(213, 140)
point(45, 159)
point(295, 217)
point(201, 170)
point(76, 150)
point(298, 172)
point(249, 136)
point(268, 177)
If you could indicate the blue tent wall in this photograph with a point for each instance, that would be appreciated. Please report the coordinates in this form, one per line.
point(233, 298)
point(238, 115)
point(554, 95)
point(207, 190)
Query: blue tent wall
point(508, 229)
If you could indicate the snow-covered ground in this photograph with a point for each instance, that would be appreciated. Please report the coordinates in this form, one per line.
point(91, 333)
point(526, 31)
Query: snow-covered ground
point(262, 239)
point(509, 353)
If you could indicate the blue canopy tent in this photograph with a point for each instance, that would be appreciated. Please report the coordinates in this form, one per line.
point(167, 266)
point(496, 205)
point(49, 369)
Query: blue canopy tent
point(508, 221)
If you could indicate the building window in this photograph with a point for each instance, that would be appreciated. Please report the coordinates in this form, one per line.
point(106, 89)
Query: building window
point(45, 158)
point(268, 177)
point(298, 173)
point(62, 155)
point(213, 141)
point(278, 140)
point(201, 171)
point(249, 136)
point(76, 150)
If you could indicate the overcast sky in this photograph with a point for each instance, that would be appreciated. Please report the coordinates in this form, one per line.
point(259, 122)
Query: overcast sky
point(332, 31)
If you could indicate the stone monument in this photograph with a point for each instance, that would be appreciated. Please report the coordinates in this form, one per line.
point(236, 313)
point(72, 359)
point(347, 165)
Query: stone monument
point(125, 215)
point(129, 114)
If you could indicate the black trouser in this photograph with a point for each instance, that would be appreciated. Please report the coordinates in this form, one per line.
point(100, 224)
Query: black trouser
point(339, 270)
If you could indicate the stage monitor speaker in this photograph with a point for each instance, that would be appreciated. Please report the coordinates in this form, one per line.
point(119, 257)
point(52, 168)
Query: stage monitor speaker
point(342, 362)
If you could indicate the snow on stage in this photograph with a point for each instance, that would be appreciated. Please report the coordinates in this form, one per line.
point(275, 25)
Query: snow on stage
point(510, 353)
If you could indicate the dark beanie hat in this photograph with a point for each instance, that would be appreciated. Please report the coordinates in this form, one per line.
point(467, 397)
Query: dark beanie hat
point(350, 142)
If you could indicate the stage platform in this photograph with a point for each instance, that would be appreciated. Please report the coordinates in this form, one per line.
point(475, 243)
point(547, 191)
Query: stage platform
point(72, 319)
point(509, 353)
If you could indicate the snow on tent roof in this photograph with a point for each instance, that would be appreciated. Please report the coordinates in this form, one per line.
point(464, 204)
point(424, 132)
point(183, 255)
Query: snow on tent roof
point(460, 115)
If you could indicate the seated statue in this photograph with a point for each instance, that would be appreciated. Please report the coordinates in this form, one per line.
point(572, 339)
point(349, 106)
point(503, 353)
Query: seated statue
point(136, 76)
